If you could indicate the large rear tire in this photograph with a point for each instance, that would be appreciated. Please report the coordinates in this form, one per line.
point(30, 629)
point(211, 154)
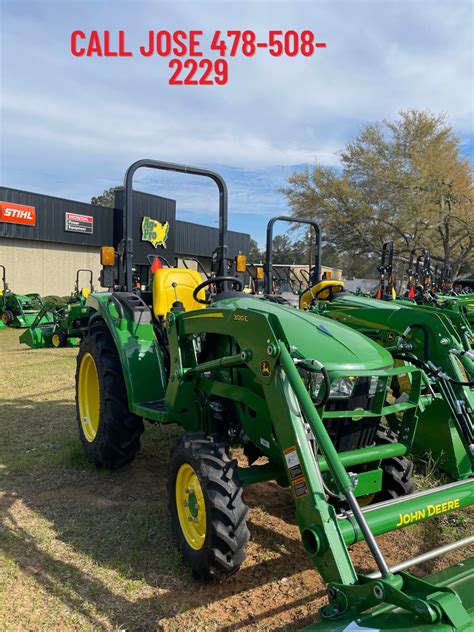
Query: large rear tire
point(109, 432)
point(208, 513)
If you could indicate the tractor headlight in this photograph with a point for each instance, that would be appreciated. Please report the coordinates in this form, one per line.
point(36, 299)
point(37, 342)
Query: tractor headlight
point(342, 388)
point(373, 385)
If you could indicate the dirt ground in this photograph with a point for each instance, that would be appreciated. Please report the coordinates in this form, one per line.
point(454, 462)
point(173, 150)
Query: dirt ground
point(82, 549)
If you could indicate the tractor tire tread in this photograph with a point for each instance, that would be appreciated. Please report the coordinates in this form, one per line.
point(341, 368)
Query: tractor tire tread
point(227, 534)
point(397, 476)
point(118, 440)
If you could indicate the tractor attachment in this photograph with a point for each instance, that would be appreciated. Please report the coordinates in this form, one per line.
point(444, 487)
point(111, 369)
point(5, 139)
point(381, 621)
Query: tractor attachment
point(437, 341)
point(308, 396)
point(386, 289)
point(61, 324)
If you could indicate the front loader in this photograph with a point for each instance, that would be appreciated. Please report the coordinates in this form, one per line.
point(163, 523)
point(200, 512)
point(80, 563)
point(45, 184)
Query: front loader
point(61, 324)
point(439, 342)
point(310, 395)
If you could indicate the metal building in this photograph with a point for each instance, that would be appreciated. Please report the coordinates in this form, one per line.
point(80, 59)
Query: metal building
point(45, 239)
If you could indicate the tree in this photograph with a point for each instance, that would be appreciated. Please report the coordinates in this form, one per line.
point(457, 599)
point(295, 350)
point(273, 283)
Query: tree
point(255, 254)
point(107, 198)
point(403, 180)
point(283, 251)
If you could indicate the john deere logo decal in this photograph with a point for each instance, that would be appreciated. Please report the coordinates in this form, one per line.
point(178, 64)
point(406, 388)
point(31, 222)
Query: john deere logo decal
point(155, 232)
point(265, 368)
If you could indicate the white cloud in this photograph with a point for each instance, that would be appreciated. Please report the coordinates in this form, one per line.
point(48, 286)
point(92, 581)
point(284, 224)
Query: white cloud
point(75, 124)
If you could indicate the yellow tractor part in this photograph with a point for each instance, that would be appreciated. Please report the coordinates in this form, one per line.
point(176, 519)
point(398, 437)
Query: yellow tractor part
point(321, 291)
point(172, 283)
point(89, 397)
point(191, 506)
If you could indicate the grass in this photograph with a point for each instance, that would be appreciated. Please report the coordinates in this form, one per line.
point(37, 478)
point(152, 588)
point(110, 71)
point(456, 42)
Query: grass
point(82, 549)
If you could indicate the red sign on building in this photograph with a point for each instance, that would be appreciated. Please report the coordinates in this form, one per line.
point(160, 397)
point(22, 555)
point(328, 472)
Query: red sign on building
point(76, 223)
point(17, 214)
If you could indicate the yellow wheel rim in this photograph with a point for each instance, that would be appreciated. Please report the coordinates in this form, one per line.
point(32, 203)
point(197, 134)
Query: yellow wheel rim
point(4, 319)
point(89, 397)
point(191, 507)
point(365, 500)
point(55, 340)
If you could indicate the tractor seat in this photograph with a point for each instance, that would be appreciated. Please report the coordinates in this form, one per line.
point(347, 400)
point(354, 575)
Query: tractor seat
point(164, 294)
point(323, 291)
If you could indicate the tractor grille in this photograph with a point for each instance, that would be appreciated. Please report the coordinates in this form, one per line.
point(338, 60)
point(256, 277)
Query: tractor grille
point(352, 433)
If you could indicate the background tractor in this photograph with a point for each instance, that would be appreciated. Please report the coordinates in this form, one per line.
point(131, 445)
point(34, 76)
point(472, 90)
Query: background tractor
point(306, 397)
point(437, 341)
point(62, 322)
point(18, 310)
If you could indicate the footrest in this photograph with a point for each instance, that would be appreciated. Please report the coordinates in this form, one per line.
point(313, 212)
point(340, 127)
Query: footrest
point(154, 411)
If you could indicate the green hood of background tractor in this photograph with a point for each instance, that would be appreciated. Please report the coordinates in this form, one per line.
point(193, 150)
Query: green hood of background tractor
point(337, 346)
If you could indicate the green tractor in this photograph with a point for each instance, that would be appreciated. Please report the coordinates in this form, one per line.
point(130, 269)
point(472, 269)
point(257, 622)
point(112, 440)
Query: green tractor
point(61, 323)
point(310, 395)
point(439, 342)
point(17, 310)
point(437, 292)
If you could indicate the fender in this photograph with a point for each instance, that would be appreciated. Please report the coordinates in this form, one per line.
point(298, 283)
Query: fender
point(140, 356)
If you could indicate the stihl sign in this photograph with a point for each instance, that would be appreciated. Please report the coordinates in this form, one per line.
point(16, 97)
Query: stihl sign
point(17, 213)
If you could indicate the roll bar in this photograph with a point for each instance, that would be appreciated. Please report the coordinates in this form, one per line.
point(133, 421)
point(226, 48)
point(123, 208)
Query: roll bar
point(91, 279)
point(4, 278)
point(269, 254)
point(200, 267)
point(127, 241)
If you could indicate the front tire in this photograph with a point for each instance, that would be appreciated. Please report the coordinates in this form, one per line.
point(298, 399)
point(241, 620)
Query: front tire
point(109, 432)
point(7, 317)
point(59, 339)
point(208, 514)
point(397, 472)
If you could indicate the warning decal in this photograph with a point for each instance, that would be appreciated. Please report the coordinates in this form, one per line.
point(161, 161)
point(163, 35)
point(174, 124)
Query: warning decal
point(300, 488)
point(293, 462)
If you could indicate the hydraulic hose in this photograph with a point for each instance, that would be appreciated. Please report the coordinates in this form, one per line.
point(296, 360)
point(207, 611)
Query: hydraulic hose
point(426, 334)
point(315, 366)
point(431, 370)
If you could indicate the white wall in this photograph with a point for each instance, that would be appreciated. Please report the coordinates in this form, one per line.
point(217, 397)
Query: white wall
point(45, 267)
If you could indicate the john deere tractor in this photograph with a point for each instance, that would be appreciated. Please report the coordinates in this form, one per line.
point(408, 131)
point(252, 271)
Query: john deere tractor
point(61, 323)
point(309, 395)
point(437, 341)
point(437, 292)
point(17, 310)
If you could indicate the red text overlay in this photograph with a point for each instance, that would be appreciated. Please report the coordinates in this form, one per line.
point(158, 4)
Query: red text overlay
point(193, 57)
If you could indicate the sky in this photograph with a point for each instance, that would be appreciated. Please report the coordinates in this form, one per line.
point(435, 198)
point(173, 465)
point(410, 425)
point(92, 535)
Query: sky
point(70, 126)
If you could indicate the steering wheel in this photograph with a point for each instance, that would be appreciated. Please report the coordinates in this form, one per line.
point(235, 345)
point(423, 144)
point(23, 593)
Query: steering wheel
point(327, 288)
point(211, 281)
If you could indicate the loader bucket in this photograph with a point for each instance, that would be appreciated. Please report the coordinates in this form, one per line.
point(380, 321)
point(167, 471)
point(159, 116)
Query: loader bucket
point(43, 337)
point(36, 337)
point(386, 618)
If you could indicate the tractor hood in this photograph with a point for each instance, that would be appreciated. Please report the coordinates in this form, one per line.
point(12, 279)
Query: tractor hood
point(337, 346)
